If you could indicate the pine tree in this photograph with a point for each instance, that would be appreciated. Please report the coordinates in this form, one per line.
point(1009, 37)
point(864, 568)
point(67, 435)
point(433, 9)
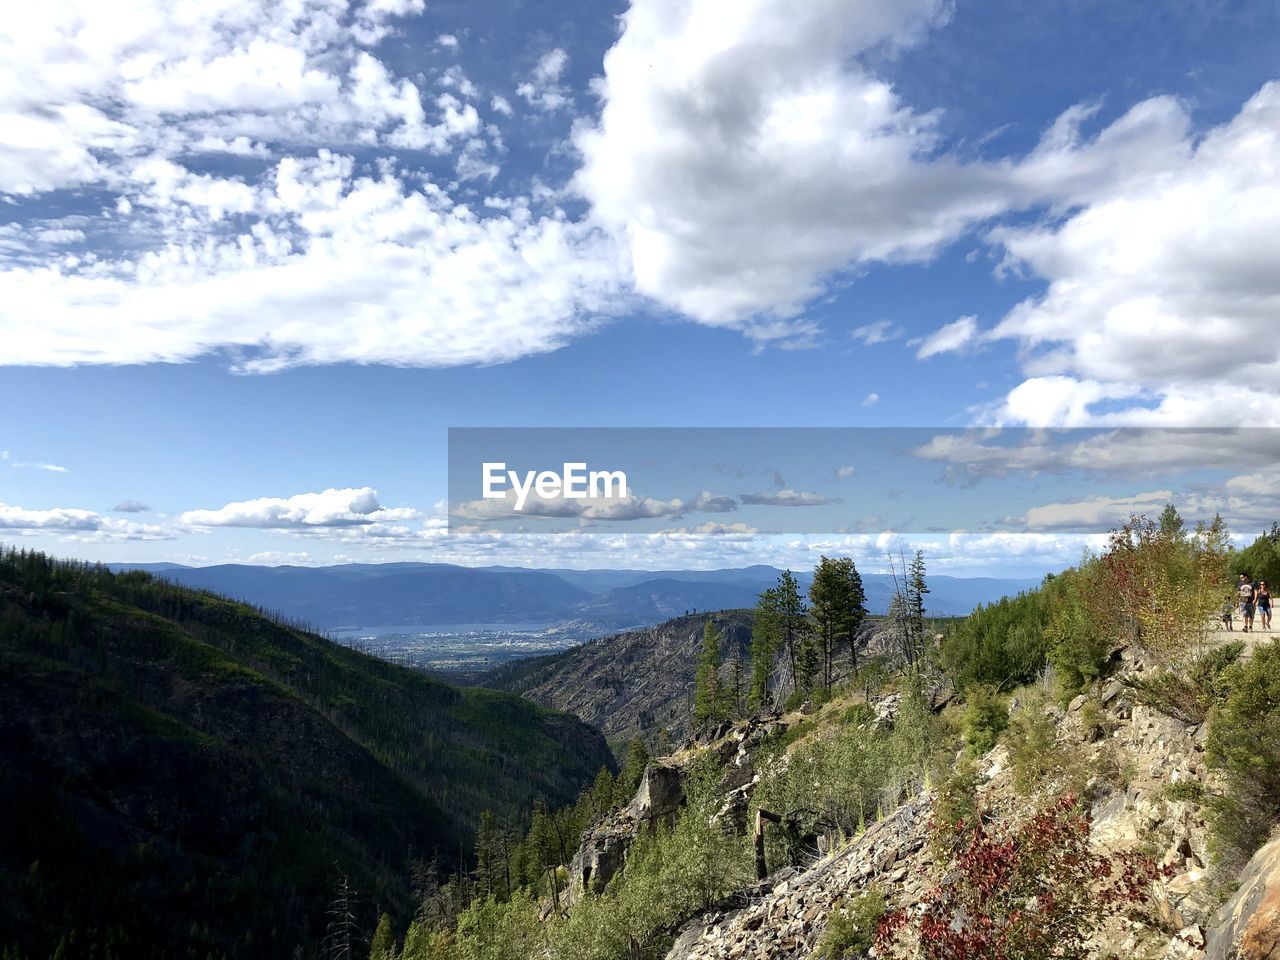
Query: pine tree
point(766, 641)
point(383, 945)
point(838, 607)
point(341, 935)
point(708, 697)
point(793, 619)
point(602, 794)
point(1171, 525)
point(486, 855)
point(632, 769)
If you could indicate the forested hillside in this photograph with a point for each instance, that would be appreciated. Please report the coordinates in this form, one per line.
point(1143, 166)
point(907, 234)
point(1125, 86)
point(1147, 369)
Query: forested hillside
point(637, 683)
point(183, 777)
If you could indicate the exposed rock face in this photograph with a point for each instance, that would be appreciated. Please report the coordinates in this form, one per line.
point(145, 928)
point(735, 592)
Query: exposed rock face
point(634, 683)
point(603, 850)
point(787, 920)
point(1248, 925)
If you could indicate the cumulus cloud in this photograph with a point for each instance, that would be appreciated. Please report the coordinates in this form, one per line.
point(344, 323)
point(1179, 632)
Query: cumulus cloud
point(71, 523)
point(767, 100)
point(1164, 284)
point(280, 263)
point(349, 506)
point(131, 506)
point(844, 473)
point(543, 89)
point(871, 399)
point(1092, 513)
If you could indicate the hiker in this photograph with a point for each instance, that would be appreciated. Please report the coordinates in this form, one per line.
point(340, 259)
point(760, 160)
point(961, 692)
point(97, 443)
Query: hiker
point(1263, 599)
point(1245, 591)
point(1229, 615)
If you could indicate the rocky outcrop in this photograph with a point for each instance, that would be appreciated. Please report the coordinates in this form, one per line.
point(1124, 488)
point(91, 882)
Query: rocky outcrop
point(786, 920)
point(1248, 925)
point(603, 850)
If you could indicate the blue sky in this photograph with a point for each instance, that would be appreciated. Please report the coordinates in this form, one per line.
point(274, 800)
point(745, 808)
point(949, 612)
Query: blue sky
point(253, 265)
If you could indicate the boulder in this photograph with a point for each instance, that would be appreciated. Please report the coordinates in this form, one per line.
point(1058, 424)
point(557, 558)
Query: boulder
point(1248, 925)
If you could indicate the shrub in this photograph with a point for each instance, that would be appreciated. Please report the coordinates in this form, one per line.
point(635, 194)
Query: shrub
point(851, 927)
point(1033, 744)
point(1023, 893)
point(1189, 693)
point(985, 718)
point(1244, 743)
point(955, 808)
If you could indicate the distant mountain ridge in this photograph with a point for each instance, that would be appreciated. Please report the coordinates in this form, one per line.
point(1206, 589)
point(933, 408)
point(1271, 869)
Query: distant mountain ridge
point(412, 594)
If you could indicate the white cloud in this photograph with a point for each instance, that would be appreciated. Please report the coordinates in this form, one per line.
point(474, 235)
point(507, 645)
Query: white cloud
point(844, 473)
point(71, 523)
point(785, 498)
point(543, 89)
point(768, 101)
point(48, 467)
point(871, 399)
point(949, 338)
point(131, 506)
point(1164, 281)
point(349, 506)
point(1095, 512)
point(304, 261)
point(882, 331)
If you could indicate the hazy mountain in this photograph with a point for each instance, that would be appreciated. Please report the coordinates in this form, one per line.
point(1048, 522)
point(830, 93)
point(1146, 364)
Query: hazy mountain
point(355, 595)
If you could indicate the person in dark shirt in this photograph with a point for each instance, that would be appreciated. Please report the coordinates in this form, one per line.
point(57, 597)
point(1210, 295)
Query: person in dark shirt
point(1262, 597)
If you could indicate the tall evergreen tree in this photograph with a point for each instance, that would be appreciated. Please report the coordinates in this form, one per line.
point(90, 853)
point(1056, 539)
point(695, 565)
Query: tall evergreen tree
point(632, 769)
point(1171, 525)
point(708, 697)
point(838, 607)
point(766, 641)
point(793, 620)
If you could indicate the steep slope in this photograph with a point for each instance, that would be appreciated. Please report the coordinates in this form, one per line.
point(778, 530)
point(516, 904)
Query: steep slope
point(629, 684)
point(185, 778)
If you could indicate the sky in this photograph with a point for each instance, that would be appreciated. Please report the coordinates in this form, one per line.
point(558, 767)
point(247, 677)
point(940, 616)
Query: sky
point(256, 258)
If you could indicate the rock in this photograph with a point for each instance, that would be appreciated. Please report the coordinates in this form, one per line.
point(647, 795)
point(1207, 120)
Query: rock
point(1187, 944)
point(1248, 925)
point(659, 796)
point(1077, 703)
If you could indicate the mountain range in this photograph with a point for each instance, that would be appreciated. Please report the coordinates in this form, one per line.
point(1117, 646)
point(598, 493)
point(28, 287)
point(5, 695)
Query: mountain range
point(600, 600)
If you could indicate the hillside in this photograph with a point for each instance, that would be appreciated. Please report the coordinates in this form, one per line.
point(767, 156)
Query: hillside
point(629, 684)
point(167, 747)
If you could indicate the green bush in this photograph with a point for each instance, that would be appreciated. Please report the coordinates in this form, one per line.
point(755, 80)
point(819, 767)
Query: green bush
point(1033, 745)
point(851, 927)
point(1187, 694)
point(985, 718)
point(1244, 743)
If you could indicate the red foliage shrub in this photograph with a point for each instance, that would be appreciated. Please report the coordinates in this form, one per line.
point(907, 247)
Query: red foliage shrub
point(1028, 893)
